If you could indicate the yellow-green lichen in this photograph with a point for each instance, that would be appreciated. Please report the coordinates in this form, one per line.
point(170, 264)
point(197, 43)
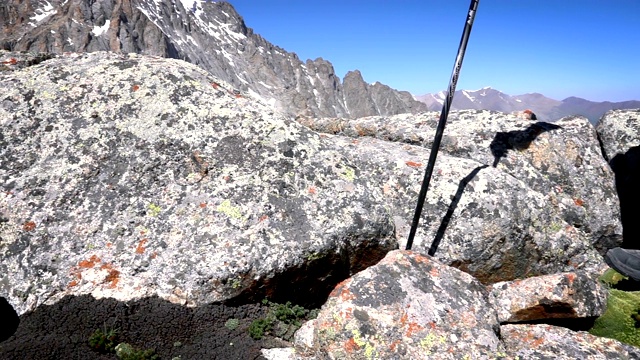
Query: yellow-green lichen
point(231, 211)
point(369, 351)
point(348, 173)
point(621, 320)
point(555, 227)
point(429, 341)
point(154, 210)
point(314, 256)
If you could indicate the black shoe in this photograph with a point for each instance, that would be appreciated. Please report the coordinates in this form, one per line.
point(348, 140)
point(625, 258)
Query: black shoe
point(624, 261)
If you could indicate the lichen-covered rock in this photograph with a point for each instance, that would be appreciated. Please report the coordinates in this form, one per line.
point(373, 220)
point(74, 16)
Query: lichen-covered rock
point(556, 296)
point(130, 176)
point(478, 218)
point(408, 306)
point(553, 342)
point(561, 161)
point(619, 131)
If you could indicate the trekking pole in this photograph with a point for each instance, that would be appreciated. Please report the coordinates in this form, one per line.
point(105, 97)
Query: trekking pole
point(443, 119)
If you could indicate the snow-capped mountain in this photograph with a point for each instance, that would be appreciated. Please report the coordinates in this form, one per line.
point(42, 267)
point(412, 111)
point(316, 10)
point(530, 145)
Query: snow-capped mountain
point(545, 108)
point(210, 34)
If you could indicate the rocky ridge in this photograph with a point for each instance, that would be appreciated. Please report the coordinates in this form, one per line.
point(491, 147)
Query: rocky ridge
point(181, 30)
point(157, 181)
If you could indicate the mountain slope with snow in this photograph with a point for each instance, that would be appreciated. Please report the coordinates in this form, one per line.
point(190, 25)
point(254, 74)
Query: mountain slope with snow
point(209, 34)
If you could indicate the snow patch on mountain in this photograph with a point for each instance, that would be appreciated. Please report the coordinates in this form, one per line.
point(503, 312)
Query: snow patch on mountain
point(41, 14)
point(99, 30)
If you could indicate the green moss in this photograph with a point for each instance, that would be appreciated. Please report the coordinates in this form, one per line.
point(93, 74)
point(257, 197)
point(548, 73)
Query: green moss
point(259, 327)
point(621, 321)
point(104, 340)
point(282, 320)
point(612, 277)
point(232, 324)
point(125, 351)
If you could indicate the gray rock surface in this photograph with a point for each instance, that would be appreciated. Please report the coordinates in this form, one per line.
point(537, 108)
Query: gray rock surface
point(211, 35)
point(408, 306)
point(552, 342)
point(619, 131)
point(129, 176)
point(523, 218)
point(562, 163)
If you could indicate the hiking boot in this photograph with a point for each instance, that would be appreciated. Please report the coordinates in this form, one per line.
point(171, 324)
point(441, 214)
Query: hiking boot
point(624, 261)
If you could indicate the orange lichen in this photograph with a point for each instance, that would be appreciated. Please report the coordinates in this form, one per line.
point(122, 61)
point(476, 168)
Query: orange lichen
point(203, 205)
point(413, 164)
point(215, 85)
point(403, 319)
point(393, 345)
point(413, 328)
point(263, 218)
point(340, 288)
point(140, 249)
point(28, 226)
point(11, 61)
point(135, 88)
point(578, 202)
point(351, 346)
point(113, 275)
point(112, 278)
point(312, 190)
point(87, 264)
point(72, 283)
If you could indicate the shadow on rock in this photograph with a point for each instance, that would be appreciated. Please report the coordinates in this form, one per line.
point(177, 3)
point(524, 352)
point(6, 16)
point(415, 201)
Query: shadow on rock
point(63, 330)
point(626, 168)
point(517, 139)
point(452, 208)
point(10, 319)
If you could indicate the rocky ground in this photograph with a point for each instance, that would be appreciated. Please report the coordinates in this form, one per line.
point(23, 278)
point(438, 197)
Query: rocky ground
point(63, 330)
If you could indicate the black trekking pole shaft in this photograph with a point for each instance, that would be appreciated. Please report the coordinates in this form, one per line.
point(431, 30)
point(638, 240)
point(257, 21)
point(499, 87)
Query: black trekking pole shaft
point(443, 119)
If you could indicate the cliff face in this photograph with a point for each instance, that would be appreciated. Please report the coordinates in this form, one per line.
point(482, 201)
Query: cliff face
point(211, 35)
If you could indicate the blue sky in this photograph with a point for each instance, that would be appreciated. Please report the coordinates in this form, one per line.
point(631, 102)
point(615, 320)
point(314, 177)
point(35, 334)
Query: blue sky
point(560, 48)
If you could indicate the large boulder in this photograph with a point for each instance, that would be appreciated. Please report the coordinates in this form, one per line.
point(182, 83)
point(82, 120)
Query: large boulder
point(478, 218)
point(619, 133)
point(509, 198)
point(566, 296)
point(127, 176)
point(408, 306)
point(552, 342)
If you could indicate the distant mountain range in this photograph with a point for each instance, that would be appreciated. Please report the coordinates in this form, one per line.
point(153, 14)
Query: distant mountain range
point(545, 108)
